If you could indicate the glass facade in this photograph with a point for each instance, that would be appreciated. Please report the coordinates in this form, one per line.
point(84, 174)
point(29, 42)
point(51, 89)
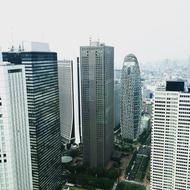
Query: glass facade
point(130, 98)
point(44, 119)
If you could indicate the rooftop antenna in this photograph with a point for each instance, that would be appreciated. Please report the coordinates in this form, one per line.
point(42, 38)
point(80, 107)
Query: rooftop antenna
point(19, 48)
point(98, 41)
point(22, 46)
point(90, 40)
point(12, 48)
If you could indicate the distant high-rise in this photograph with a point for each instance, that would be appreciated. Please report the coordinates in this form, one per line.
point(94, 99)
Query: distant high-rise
point(117, 74)
point(97, 99)
point(43, 107)
point(15, 157)
point(130, 98)
point(78, 79)
point(117, 99)
point(68, 101)
point(170, 138)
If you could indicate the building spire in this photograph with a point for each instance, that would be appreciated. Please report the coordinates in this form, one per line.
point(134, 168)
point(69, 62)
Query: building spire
point(90, 40)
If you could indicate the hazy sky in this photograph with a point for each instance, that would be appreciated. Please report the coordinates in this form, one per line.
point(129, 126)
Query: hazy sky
point(151, 29)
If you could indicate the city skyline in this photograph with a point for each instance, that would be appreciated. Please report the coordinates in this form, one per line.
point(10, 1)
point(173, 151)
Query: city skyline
point(95, 94)
point(151, 30)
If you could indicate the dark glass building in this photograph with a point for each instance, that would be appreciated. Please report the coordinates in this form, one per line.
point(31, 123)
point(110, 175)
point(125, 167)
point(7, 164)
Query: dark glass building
point(44, 119)
point(97, 102)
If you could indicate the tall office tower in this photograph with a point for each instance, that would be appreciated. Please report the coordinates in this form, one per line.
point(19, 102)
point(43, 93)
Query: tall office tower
point(78, 79)
point(15, 158)
point(117, 99)
point(130, 98)
point(43, 107)
point(117, 74)
point(68, 101)
point(170, 138)
point(97, 99)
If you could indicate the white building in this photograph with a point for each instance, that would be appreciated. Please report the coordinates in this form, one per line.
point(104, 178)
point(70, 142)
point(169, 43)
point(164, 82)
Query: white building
point(69, 101)
point(15, 158)
point(170, 148)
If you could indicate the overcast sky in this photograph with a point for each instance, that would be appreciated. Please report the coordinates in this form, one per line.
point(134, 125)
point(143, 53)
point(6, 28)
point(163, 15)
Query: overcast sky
point(151, 29)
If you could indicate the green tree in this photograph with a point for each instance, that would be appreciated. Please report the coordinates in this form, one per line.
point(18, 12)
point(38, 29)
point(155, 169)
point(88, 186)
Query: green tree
point(129, 186)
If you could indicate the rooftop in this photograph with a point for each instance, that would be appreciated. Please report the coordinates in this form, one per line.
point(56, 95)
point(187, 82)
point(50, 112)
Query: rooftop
point(96, 43)
point(178, 86)
point(31, 46)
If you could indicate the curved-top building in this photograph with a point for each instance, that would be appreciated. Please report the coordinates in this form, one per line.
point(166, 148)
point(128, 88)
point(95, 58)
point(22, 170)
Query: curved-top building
point(130, 98)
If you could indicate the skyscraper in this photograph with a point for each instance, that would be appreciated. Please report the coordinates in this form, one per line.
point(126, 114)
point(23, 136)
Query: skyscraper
point(170, 138)
point(78, 79)
point(15, 158)
point(117, 74)
point(68, 101)
point(97, 99)
point(43, 107)
point(130, 98)
point(117, 99)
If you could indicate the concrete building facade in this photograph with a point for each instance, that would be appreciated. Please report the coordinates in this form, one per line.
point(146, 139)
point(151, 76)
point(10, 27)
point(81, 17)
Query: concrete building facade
point(97, 102)
point(15, 156)
point(170, 139)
